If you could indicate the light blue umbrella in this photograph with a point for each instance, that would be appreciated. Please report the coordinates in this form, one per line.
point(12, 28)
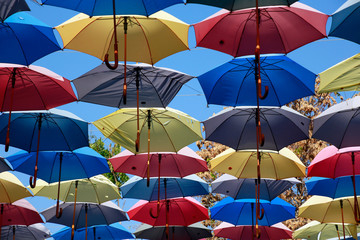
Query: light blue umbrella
point(241, 211)
point(95, 232)
point(191, 185)
point(242, 188)
point(346, 21)
point(25, 39)
point(334, 188)
point(233, 83)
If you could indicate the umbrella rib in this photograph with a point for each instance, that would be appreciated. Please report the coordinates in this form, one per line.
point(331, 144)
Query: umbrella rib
point(277, 29)
point(239, 172)
point(22, 50)
point(347, 126)
point(163, 127)
point(56, 45)
point(3, 101)
point(33, 132)
point(36, 89)
point(52, 168)
point(96, 193)
point(156, 92)
point(240, 135)
point(270, 129)
point(342, 22)
point(250, 15)
point(130, 80)
point(242, 82)
point(147, 41)
point(63, 133)
point(6, 192)
point(273, 163)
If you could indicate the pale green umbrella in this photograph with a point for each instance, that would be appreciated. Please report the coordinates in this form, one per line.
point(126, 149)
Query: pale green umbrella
point(343, 76)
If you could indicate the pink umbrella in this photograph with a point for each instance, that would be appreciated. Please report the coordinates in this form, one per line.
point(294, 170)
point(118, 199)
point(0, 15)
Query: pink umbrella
point(277, 231)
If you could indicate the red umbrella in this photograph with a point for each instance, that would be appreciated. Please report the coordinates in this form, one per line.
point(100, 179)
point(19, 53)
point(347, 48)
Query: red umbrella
point(181, 212)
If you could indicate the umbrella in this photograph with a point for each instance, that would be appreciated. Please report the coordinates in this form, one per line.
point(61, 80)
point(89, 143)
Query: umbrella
point(172, 164)
point(60, 166)
point(341, 77)
point(114, 232)
point(11, 188)
point(274, 232)
point(345, 20)
point(235, 127)
point(191, 232)
point(232, 84)
point(191, 185)
point(242, 164)
point(43, 131)
point(35, 231)
point(238, 188)
point(9, 7)
point(145, 39)
point(315, 230)
point(25, 39)
point(282, 29)
point(181, 212)
point(86, 215)
point(232, 5)
point(5, 165)
point(241, 211)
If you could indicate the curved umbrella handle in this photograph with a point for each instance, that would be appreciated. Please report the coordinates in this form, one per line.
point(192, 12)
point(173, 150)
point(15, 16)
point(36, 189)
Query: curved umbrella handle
point(116, 56)
point(266, 91)
point(32, 180)
point(59, 210)
point(261, 216)
point(157, 211)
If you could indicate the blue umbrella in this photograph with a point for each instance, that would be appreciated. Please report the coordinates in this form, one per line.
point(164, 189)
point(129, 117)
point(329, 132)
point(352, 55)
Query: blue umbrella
point(25, 39)
point(241, 211)
point(242, 188)
point(95, 232)
point(233, 83)
point(345, 21)
point(175, 187)
point(334, 188)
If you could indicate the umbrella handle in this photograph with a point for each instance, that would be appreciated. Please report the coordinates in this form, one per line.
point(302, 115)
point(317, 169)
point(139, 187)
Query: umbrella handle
point(261, 216)
point(32, 180)
point(116, 56)
point(157, 212)
point(59, 210)
point(261, 96)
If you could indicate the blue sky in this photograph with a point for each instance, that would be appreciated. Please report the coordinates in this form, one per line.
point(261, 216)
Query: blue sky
point(316, 56)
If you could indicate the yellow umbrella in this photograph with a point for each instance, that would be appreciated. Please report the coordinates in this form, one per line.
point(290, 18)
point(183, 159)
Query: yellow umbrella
point(11, 188)
point(315, 230)
point(243, 164)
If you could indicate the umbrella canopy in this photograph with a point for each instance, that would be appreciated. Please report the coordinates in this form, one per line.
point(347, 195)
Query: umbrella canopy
point(97, 214)
point(315, 230)
point(32, 88)
point(327, 210)
point(11, 188)
point(191, 232)
point(170, 129)
point(25, 39)
point(334, 188)
point(191, 185)
point(233, 84)
point(9, 7)
point(5, 165)
point(235, 127)
point(115, 232)
point(20, 212)
point(345, 20)
point(182, 212)
point(149, 39)
point(344, 118)
point(243, 164)
point(35, 231)
point(80, 163)
point(242, 211)
point(232, 5)
point(274, 232)
point(172, 164)
point(282, 29)
point(238, 188)
point(97, 189)
point(341, 77)
point(97, 7)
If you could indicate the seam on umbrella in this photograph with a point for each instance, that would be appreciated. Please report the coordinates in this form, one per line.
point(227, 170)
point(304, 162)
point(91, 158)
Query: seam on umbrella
point(348, 15)
point(6, 192)
point(145, 36)
point(274, 166)
point(8, 81)
point(356, 112)
point(247, 74)
point(18, 41)
point(36, 89)
point(250, 14)
point(163, 127)
point(56, 45)
point(239, 173)
point(251, 116)
point(65, 138)
point(32, 116)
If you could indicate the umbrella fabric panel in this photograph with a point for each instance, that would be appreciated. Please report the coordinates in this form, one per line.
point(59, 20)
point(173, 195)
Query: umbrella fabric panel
point(9, 7)
point(158, 86)
point(33, 232)
point(5, 165)
point(81, 163)
point(11, 188)
point(233, 83)
point(105, 7)
point(24, 39)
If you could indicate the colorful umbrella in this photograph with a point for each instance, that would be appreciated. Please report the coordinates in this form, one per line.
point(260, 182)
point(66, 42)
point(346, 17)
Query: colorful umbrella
point(181, 212)
point(315, 230)
point(282, 29)
point(114, 232)
point(243, 164)
point(191, 185)
point(341, 77)
point(9, 7)
point(242, 211)
point(35, 231)
point(235, 127)
point(191, 232)
point(11, 188)
point(238, 188)
point(43, 131)
point(5, 165)
point(274, 232)
point(345, 20)
point(232, 5)
point(25, 39)
point(232, 84)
